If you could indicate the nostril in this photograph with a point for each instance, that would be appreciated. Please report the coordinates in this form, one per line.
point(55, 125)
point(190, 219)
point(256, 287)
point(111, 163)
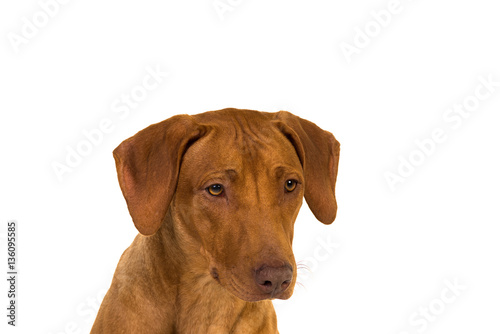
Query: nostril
point(268, 284)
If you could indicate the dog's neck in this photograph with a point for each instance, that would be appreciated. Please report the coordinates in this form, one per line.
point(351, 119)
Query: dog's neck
point(179, 248)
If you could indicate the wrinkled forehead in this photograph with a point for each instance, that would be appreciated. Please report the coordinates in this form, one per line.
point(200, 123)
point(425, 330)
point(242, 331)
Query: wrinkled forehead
point(239, 146)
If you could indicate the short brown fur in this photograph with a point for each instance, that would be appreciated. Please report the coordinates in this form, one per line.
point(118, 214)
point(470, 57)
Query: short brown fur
point(196, 265)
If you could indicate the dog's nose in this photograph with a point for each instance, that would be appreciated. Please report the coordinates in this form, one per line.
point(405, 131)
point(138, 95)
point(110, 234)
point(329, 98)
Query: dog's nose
point(273, 280)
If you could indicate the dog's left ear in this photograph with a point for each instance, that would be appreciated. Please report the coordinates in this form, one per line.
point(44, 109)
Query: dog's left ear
point(148, 167)
point(318, 151)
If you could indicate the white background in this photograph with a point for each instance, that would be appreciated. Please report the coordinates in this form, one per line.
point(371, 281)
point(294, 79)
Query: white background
point(388, 255)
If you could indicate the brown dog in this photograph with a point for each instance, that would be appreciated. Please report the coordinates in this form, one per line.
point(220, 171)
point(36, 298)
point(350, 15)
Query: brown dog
point(215, 197)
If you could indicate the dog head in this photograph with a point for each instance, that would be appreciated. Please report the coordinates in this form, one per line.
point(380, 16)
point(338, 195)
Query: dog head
point(234, 181)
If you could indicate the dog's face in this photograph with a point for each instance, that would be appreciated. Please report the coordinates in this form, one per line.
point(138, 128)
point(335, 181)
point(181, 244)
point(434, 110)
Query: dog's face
point(233, 181)
point(242, 188)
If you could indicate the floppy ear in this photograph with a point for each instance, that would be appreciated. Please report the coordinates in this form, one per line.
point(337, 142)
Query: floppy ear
point(318, 151)
point(148, 167)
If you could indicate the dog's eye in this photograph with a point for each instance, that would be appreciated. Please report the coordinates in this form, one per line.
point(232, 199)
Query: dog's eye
point(215, 189)
point(290, 185)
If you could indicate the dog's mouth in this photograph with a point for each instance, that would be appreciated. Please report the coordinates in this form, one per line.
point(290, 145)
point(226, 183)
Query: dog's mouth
point(251, 290)
point(215, 274)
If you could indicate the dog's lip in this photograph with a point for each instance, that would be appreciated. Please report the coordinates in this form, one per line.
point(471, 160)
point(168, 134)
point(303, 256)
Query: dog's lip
point(229, 281)
point(240, 292)
point(243, 294)
point(230, 284)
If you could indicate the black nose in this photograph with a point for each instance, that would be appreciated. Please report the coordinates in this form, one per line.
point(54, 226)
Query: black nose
point(273, 280)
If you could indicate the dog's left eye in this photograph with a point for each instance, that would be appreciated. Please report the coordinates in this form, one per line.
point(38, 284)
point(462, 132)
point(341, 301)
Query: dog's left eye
point(290, 185)
point(215, 189)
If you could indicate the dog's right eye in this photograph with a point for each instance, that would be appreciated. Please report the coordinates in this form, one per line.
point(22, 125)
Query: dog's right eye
point(215, 189)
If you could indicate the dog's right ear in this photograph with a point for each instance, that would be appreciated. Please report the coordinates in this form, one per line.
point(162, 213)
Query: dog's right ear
point(148, 167)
